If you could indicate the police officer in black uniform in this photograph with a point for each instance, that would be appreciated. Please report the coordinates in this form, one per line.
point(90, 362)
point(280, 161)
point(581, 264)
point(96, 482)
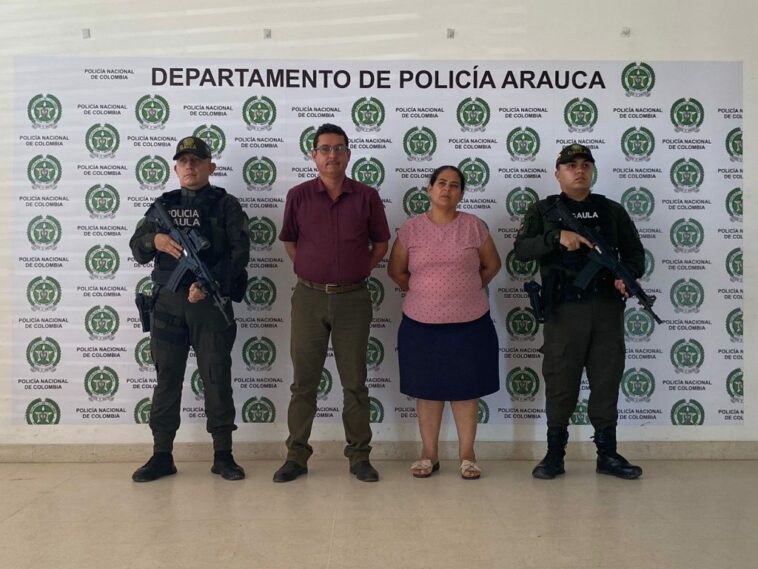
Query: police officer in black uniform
point(186, 317)
point(584, 327)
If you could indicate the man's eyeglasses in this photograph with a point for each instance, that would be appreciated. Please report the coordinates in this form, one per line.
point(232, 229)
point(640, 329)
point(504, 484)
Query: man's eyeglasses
point(326, 149)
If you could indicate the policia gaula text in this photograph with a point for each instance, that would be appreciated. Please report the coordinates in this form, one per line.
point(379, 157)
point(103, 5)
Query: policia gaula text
point(582, 302)
point(198, 238)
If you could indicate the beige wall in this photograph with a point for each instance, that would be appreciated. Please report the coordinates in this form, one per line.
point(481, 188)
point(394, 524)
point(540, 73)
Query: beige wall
point(377, 29)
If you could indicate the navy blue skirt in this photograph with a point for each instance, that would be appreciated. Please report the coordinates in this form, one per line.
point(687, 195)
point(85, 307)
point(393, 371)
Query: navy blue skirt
point(448, 362)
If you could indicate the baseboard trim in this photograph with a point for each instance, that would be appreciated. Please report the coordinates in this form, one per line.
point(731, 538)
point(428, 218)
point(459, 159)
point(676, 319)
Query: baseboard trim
point(382, 450)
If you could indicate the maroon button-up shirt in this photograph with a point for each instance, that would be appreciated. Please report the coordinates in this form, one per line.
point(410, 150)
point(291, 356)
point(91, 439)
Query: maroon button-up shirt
point(333, 237)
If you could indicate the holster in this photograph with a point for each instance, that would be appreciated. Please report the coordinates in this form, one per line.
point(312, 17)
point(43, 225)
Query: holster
point(145, 306)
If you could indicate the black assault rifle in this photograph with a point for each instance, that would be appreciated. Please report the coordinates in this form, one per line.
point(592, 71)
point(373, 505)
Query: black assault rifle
point(601, 255)
point(191, 242)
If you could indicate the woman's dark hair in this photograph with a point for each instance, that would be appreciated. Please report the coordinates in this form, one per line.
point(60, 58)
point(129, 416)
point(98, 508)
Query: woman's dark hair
point(329, 128)
point(455, 169)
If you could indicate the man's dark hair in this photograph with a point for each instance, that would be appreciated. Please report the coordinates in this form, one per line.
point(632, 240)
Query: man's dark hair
point(329, 128)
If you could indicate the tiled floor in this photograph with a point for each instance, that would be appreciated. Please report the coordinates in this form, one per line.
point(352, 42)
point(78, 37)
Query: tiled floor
point(681, 514)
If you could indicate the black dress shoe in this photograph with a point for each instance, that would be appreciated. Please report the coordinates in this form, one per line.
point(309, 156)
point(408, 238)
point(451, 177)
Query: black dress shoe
point(160, 464)
point(223, 464)
point(289, 471)
point(364, 471)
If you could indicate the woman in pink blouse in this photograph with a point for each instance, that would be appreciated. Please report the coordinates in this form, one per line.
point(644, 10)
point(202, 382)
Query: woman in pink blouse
point(447, 344)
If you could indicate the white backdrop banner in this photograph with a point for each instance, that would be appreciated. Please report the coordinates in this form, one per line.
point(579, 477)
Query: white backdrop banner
point(93, 145)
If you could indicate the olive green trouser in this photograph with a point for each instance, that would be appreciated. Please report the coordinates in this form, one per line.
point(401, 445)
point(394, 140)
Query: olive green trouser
point(582, 335)
point(177, 324)
point(345, 317)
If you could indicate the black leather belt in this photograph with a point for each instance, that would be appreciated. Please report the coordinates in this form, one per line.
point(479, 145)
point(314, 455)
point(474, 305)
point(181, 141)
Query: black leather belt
point(333, 288)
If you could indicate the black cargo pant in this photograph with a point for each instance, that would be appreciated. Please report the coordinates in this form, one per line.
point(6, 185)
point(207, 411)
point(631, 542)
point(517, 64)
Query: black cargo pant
point(579, 335)
point(177, 325)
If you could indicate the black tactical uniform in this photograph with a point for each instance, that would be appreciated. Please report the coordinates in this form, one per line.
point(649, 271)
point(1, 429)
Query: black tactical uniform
point(584, 328)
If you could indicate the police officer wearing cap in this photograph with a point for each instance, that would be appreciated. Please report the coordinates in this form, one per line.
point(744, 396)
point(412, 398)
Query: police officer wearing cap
point(187, 317)
point(584, 326)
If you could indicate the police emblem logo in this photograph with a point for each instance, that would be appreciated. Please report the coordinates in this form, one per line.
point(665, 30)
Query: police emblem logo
point(476, 174)
point(473, 114)
point(144, 286)
point(368, 114)
point(44, 172)
point(638, 385)
point(639, 203)
point(197, 385)
point(734, 144)
point(734, 325)
point(735, 386)
point(483, 413)
point(152, 112)
point(638, 325)
point(259, 174)
point(687, 296)
point(306, 141)
point(101, 383)
point(259, 410)
point(638, 79)
point(260, 293)
point(375, 410)
point(101, 322)
point(580, 416)
point(521, 324)
point(687, 115)
point(369, 171)
point(519, 201)
point(374, 353)
point(102, 201)
point(687, 175)
point(43, 293)
point(43, 412)
point(43, 354)
point(102, 262)
point(686, 235)
point(520, 270)
point(142, 411)
point(638, 144)
point(523, 144)
point(44, 111)
point(734, 265)
point(419, 144)
point(416, 201)
point(687, 413)
point(687, 356)
point(214, 137)
point(734, 204)
point(259, 353)
point(376, 292)
point(143, 355)
point(152, 173)
point(262, 233)
point(44, 233)
point(102, 140)
point(522, 384)
point(580, 115)
point(649, 266)
point(324, 385)
point(259, 113)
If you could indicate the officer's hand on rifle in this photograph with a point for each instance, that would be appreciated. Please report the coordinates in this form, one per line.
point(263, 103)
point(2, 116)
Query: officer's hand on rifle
point(621, 287)
point(165, 244)
point(196, 294)
point(572, 241)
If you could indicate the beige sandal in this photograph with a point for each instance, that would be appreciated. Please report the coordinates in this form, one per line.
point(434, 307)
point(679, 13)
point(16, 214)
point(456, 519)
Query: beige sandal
point(424, 468)
point(470, 470)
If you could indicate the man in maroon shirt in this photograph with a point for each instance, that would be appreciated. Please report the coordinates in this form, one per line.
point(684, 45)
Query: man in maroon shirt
point(335, 232)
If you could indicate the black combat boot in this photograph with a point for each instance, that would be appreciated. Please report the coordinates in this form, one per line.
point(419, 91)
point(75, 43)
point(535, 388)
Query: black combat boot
point(608, 460)
point(160, 464)
point(223, 464)
point(552, 465)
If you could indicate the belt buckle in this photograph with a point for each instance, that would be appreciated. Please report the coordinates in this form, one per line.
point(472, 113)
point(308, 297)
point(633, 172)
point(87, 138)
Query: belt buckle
point(334, 286)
